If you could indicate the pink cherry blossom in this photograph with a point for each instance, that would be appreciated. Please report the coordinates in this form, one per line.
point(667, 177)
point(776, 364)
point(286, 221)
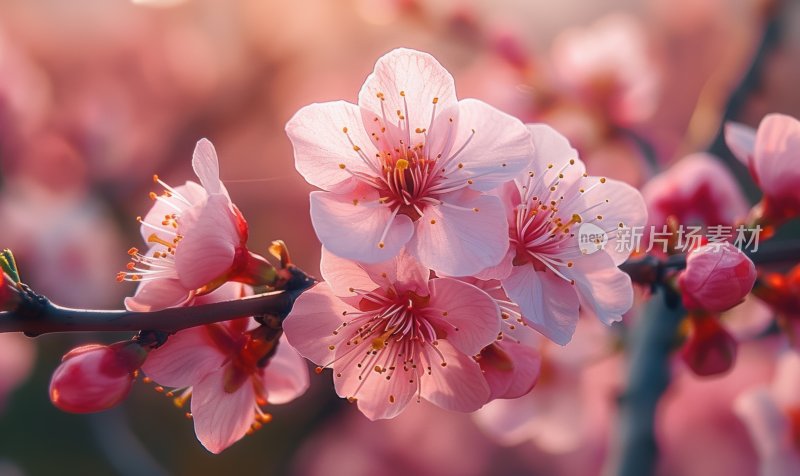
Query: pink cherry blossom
point(609, 65)
point(771, 153)
point(772, 416)
point(717, 277)
point(219, 366)
point(697, 190)
point(391, 334)
point(196, 239)
point(545, 271)
point(17, 354)
point(408, 166)
point(95, 377)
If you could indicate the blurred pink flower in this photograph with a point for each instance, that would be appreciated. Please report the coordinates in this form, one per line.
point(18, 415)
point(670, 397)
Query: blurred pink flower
point(696, 429)
point(390, 333)
point(569, 412)
point(408, 166)
point(771, 154)
point(17, 354)
point(423, 441)
point(546, 271)
point(698, 191)
point(220, 366)
point(717, 277)
point(196, 238)
point(95, 377)
point(609, 66)
point(772, 416)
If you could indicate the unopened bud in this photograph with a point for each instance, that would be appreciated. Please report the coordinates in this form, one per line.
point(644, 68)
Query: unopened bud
point(96, 377)
point(717, 277)
point(9, 294)
point(710, 349)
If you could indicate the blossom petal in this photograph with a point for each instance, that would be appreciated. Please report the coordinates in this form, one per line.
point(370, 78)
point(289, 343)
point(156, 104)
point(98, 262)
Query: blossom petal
point(206, 166)
point(555, 161)
point(776, 162)
point(353, 228)
point(472, 318)
point(310, 325)
point(321, 145)
point(459, 385)
point(602, 287)
point(496, 146)
point(207, 250)
point(548, 303)
point(455, 240)
point(613, 205)
point(412, 84)
point(378, 396)
point(741, 140)
point(286, 375)
point(770, 431)
point(186, 357)
point(521, 377)
point(158, 294)
point(221, 418)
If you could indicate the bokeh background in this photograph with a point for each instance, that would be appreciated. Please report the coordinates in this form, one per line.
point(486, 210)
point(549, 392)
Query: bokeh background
point(98, 95)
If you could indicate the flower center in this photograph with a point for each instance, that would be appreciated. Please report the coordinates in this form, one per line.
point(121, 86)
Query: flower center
point(390, 335)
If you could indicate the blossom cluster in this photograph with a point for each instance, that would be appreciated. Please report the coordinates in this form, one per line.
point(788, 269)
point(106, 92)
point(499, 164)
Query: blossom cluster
point(449, 233)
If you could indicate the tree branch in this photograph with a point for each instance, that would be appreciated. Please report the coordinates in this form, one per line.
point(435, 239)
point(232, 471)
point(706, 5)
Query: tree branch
point(36, 315)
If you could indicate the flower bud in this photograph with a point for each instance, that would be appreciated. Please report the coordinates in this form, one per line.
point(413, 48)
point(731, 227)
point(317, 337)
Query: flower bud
point(717, 277)
point(95, 377)
point(710, 349)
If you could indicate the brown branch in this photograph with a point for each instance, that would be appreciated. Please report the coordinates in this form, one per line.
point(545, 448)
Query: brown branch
point(36, 315)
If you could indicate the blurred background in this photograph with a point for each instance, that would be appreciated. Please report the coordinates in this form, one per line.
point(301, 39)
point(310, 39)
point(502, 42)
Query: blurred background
point(98, 95)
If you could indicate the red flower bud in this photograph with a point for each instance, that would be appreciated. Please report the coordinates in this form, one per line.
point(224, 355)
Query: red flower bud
point(95, 377)
point(9, 296)
point(717, 277)
point(710, 350)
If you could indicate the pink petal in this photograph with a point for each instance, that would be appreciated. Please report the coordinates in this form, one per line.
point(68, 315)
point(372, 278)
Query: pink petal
point(220, 418)
point(776, 160)
point(460, 241)
point(786, 383)
point(355, 229)
point(403, 272)
point(378, 397)
point(522, 376)
point(548, 303)
point(206, 166)
point(185, 358)
point(459, 386)
point(769, 429)
point(473, 318)
point(552, 157)
point(615, 203)
point(207, 250)
point(321, 146)
point(286, 375)
point(310, 325)
point(158, 294)
point(409, 81)
point(604, 289)
point(497, 146)
point(342, 275)
point(741, 140)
